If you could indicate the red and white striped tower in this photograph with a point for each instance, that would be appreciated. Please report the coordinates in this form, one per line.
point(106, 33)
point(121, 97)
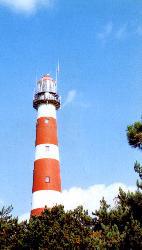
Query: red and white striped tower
point(46, 175)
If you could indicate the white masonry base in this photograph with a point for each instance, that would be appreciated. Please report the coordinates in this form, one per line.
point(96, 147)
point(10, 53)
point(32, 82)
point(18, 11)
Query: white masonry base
point(49, 198)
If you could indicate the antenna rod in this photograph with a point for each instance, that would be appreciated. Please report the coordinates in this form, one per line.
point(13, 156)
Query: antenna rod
point(57, 71)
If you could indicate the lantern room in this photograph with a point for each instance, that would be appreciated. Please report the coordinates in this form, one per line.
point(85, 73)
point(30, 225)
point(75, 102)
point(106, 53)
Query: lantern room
point(46, 84)
point(46, 92)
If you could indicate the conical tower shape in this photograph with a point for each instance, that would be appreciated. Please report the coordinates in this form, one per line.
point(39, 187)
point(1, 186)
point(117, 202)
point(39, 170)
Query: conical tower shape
point(46, 174)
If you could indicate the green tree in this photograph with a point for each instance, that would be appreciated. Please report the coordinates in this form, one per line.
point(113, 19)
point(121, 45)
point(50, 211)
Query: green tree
point(120, 227)
point(57, 229)
point(134, 136)
point(115, 228)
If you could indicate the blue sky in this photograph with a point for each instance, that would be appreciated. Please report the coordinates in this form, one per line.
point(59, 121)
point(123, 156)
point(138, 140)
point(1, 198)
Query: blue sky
point(99, 45)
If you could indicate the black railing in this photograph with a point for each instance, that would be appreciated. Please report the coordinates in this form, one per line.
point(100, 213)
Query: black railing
point(41, 97)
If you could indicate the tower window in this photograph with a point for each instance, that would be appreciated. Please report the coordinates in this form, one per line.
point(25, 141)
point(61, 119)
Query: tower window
point(47, 179)
point(47, 148)
point(46, 121)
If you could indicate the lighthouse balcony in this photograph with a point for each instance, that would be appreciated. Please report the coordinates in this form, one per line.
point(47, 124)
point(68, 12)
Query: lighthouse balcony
point(44, 97)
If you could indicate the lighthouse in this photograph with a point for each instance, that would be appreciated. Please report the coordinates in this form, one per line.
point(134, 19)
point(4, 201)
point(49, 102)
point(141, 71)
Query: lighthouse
point(46, 190)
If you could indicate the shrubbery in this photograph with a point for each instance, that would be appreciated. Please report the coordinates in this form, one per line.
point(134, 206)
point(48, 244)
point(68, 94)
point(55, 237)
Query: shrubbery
point(108, 228)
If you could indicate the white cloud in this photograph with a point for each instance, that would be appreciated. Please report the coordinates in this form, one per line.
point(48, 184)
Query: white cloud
point(89, 197)
point(139, 30)
point(80, 101)
point(24, 217)
point(107, 30)
point(110, 31)
point(70, 97)
point(121, 32)
point(26, 5)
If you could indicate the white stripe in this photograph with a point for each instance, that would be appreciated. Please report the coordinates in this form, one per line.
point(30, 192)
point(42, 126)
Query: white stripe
point(46, 110)
point(47, 151)
point(47, 198)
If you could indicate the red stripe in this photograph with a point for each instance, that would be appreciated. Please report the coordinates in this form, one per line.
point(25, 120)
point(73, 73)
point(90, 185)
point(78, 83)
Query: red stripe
point(46, 131)
point(37, 211)
point(46, 168)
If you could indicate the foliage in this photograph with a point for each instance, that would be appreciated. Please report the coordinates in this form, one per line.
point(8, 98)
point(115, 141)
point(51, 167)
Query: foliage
point(138, 169)
point(114, 228)
point(121, 227)
point(109, 228)
point(134, 135)
point(5, 213)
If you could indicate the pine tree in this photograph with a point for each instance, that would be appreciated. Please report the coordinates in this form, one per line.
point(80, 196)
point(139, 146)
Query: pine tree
point(134, 136)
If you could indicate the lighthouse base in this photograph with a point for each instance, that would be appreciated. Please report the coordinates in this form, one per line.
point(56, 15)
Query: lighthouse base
point(42, 198)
